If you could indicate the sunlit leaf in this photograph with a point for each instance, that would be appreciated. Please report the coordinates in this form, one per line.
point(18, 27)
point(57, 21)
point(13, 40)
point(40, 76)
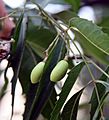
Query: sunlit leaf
point(92, 39)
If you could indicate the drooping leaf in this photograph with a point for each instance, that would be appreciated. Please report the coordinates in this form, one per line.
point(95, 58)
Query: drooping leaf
point(17, 57)
point(101, 91)
point(92, 39)
point(39, 39)
point(71, 107)
point(29, 98)
point(45, 85)
point(17, 32)
point(96, 113)
point(49, 105)
point(104, 83)
point(72, 76)
point(30, 59)
point(3, 89)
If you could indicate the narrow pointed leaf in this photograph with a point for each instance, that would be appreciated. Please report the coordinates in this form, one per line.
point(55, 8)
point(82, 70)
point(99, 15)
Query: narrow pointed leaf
point(45, 86)
point(105, 84)
point(72, 76)
point(95, 117)
point(92, 39)
point(71, 107)
point(17, 32)
point(101, 91)
point(50, 105)
point(17, 58)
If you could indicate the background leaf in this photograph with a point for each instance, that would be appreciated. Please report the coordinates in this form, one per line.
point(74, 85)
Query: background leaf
point(39, 38)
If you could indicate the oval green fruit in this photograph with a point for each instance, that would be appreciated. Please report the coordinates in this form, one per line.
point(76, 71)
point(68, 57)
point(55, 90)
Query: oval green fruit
point(37, 72)
point(59, 71)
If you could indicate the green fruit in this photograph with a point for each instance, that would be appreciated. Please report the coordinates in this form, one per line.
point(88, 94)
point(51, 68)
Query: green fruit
point(59, 71)
point(37, 72)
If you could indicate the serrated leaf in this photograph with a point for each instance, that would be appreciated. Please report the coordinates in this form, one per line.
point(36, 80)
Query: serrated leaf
point(72, 76)
point(92, 39)
point(101, 88)
point(71, 107)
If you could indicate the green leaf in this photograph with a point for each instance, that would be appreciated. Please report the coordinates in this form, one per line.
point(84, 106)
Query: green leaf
point(29, 98)
point(96, 113)
point(17, 57)
point(45, 86)
point(17, 32)
point(71, 107)
point(75, 4)
point(29, 60)
point(49, 105)
point(104, 22)
point(106, 30)
point(105, 84)
point(65, 16)
point(4, 88)
point(72, 76)
point(101, 88)
point(92, 39)
point(39, 39)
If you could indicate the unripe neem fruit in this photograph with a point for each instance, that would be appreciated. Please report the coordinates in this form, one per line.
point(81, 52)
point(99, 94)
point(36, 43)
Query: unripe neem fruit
point(59, 71)
point(37, 72)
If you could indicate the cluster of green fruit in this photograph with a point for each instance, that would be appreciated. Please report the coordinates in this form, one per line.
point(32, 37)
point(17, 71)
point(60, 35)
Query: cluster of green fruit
point(57, 73)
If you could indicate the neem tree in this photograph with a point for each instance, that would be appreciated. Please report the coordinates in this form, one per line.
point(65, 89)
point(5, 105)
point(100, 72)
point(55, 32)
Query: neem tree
point(40, 57)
